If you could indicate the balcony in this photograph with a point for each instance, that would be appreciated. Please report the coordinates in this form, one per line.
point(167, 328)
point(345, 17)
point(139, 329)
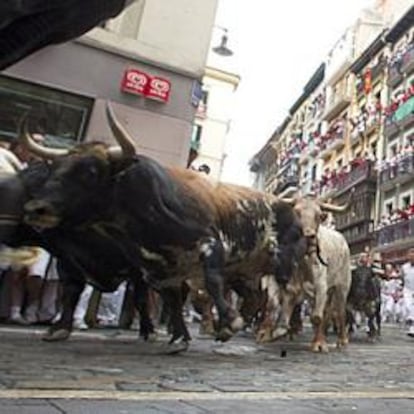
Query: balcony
point(377, 70)
point(359, 233)
point(395, 75)
point(337, 184)
point(399, 172)
point(288, 185)
point(311, 149)
point(335, 141)
point(407, 65)
point(401, 232)
point(391, 128)
point(339, 100)
point(360, 173)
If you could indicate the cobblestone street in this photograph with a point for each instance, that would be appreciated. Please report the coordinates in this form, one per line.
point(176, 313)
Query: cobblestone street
point(108, 371)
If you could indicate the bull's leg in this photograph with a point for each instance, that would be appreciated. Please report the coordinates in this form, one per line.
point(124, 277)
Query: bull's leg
point(340, 319)
point(318, 343)
point(378, 318)
point(371, 327)
point(173, 299)
point(213, 260)
point(71, 291)
point(295, 323)
point(202, 304)
point(265, 329)
point(141, 296)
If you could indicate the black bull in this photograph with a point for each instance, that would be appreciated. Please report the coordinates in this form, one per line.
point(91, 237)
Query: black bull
point(108, 217)
point(81, 251)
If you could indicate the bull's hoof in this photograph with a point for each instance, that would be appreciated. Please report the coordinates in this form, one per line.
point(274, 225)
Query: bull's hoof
point(207, 328)
point(264, 335)
point(316, 320)
point(152, 337)
point(279, 332)
point(176, 347)
point(321, 347)
point(342, 343)
point(224, 334)
point(237, 324)
point(55, 336)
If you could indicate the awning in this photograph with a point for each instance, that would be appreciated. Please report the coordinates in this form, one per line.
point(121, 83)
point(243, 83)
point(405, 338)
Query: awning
point(404, 110)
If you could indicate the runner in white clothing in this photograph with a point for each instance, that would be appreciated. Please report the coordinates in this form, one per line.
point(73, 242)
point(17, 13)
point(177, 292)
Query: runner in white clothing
point(407, 271)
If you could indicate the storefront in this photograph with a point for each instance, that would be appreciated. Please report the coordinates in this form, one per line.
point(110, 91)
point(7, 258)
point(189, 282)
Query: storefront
point(64, 90)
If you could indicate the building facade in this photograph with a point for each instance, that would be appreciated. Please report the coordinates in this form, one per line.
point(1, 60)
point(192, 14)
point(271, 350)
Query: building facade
point(395, 232)
point(213, 119)
point(357, 134)
point(146, 62)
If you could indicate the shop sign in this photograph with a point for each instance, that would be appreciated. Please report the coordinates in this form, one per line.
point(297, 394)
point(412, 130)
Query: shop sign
point(137, 82)
point(159, 89)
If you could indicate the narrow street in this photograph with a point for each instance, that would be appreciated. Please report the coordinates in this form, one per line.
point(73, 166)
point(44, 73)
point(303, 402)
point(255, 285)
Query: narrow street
point(109, 371)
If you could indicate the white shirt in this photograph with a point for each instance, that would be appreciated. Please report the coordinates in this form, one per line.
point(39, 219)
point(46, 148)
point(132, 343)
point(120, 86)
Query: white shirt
point(408, 275)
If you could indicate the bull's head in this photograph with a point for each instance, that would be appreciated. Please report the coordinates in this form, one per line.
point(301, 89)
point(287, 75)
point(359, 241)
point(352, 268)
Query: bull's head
point(312, 212)
point(79, 178)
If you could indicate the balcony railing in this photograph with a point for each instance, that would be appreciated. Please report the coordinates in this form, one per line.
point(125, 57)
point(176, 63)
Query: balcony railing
point(335, 140)
point(344, 181)
point(290, 180)
point(399, 172)
point(407, 65)
point(400, 231)
point(395, 74)
point(360, 232)
point(337, 102)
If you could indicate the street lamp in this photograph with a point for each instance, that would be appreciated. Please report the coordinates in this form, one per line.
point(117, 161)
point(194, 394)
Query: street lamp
point(222, 49)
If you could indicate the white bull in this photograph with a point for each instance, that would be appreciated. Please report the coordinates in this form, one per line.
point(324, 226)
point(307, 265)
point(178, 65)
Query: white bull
point(325, 285)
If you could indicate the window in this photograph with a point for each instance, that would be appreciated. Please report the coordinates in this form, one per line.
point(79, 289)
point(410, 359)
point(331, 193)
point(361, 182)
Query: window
point(392, 150)
point(204, 96)
point(196, 134)
point(373, 149)
point(405, 201)
point(389, 207)
point(60, 116)
point(313, 173)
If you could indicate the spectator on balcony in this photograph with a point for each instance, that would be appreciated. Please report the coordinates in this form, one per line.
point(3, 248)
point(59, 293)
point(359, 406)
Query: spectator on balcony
point(410, 210)
point(407, 272)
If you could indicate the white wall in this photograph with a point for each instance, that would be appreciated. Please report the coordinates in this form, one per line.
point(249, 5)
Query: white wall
point(216, 125)
point(173, 34)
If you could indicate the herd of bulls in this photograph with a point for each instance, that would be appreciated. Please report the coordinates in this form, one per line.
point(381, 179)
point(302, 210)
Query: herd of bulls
point(109, 214)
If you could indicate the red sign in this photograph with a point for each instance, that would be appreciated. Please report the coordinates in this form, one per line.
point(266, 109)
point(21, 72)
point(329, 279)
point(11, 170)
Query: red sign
point(158, 88)
point(135, 82)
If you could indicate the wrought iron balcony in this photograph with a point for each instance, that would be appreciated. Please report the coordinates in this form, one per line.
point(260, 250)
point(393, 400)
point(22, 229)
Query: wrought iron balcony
point(337, 102)
point(397, 232)
point(361, 232)
point(395, 74)
point(357, 175)
point(290, 181)
point(399, 173)
point(391, 128)
point(336, 141)
point(407, 65)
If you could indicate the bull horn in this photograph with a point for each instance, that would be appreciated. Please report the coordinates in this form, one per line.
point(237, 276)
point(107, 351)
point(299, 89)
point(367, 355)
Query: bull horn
point(333, 208)
point(126, 147)
point(338, 209)
point(288, 200)
point(29, 142)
